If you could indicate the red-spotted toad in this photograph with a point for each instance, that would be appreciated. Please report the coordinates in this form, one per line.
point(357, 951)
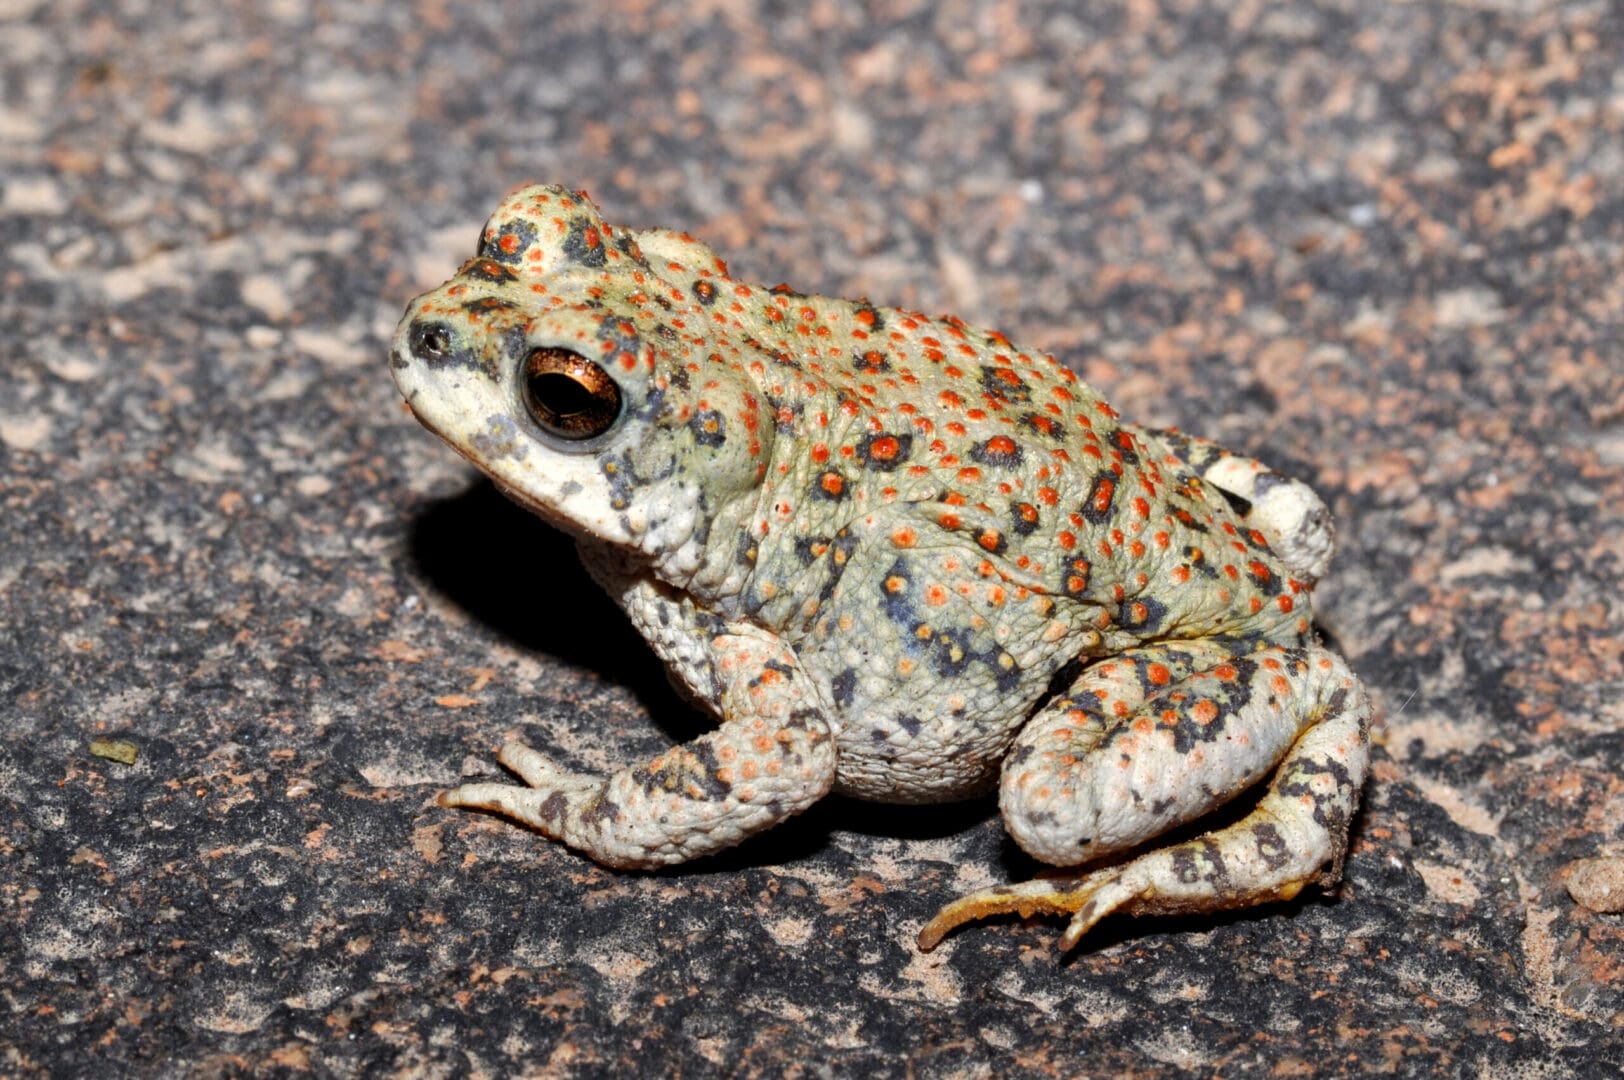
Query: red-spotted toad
point(900, 558)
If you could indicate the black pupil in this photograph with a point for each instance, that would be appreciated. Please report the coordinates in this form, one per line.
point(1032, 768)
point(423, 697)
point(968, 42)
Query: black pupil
point(560, 394)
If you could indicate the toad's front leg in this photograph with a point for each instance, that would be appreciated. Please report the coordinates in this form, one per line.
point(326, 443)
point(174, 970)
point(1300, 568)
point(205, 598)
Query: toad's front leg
point(772, 757)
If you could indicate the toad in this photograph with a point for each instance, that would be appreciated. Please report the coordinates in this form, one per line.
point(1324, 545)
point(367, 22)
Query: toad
point(900, 558)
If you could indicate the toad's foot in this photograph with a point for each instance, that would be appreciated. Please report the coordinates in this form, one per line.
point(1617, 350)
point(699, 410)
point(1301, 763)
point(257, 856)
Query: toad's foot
point(1213, 873)
point(1059, 893)
point(1080, 786)
point(771, 758)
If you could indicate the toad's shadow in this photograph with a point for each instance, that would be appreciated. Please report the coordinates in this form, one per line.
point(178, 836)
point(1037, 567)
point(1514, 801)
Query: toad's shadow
point(521, 578)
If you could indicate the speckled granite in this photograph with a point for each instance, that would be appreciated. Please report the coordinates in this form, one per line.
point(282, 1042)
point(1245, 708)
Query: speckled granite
point(1380, 246)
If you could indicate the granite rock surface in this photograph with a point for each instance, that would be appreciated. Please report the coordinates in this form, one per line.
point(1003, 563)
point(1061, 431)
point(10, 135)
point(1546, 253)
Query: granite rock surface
point(1378, 245)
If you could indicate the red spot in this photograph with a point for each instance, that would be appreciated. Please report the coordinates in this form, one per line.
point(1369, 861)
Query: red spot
point(1158, 675)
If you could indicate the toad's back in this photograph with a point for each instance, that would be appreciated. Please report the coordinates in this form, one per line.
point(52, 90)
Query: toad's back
point(998, 468)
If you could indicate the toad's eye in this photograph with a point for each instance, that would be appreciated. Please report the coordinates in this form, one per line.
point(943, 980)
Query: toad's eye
point(431, 341)
point(567, 395)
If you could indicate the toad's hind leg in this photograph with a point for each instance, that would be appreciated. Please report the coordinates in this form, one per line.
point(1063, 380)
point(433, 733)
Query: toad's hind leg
point(1288, 513)
point(1080, 786)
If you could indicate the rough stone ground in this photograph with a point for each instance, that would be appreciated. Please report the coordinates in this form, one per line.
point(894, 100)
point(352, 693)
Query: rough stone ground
point(1380, 245)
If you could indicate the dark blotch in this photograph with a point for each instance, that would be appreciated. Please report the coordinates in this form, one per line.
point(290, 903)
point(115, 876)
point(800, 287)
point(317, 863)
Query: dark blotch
point(489, 270)
point(883, 451)
point(1000, 452)
point(1024, 518)
point(843, 686)
point(1003, 384)
point(1096, 508)
point(584, 244)
point(709, 427)
point(509, 243)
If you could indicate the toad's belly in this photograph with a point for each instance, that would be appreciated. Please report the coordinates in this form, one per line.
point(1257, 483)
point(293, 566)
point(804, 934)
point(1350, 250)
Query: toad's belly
point(924, 761)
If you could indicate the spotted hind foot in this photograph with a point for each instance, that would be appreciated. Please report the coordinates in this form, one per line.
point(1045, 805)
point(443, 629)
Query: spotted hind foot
point(1304, 703)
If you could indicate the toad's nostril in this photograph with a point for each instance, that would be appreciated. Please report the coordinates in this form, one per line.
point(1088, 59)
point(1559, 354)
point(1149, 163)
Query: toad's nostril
point(431, 341)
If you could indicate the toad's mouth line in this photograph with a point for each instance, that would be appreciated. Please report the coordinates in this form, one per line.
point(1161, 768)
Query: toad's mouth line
point(466, 454)
point(517, 495)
